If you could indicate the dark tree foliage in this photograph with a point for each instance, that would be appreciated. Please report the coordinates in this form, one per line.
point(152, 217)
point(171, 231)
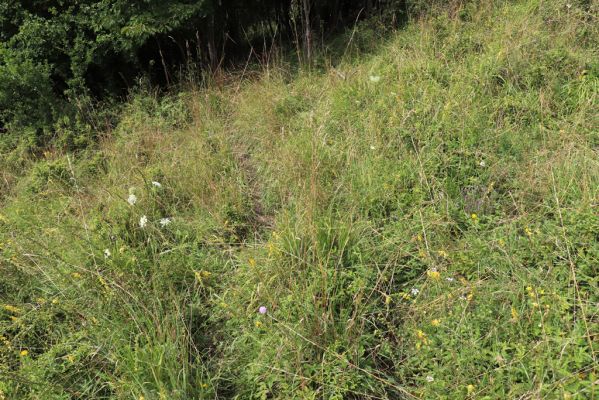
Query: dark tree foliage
point(55, 51)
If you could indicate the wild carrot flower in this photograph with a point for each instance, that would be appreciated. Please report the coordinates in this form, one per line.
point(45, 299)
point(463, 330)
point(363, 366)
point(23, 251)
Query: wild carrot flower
point(415, 291)
point(143, 221)
point(157, 184)
point(429, 378)
point(132, 199)
point(165, 221)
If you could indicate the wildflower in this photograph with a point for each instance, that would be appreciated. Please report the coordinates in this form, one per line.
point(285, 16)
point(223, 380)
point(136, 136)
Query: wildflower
point(204, 386)
point(449, 279)
point(470, 389)
point(372, 147)
point(143, 221)
point(107, 253)
point(514, 314)
point(387, 299)
point(41, 300)
point(252, 262)
point(429, 378)
point(470, 296)
point(528, 231)
point(70, 358)
point(374, 78)
point(482, 163)
point(157, 184)
point(262, 310)
point(132, 199)
point(258, 324)
point(501, 242)
point(436, 322)
point(165, 221)
point(420, 335)
point(433, 274)
point(442, 253)
point(474, 217)
point(415, 291)
point(24, 353)
point(11, 309)
point(76, 275)
point(55, 301)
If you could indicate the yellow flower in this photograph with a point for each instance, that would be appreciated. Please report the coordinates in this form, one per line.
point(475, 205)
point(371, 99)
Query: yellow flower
point(436, 322)
point(528, 232)
point(442, 253)
point(201, 275)
point(433, 274)
point(24, 353)
point(420, 335)
point(55, 301)
point(70, 358)
point(501, 242)
point(76, 275)
point(11, 309)
point(474, 217)
point(204, 386)
point(514, 314)
point(470, 296)
point(258, 324)
point(387, 299)
point(41, 300)
point(470, 389)
point(252, 262)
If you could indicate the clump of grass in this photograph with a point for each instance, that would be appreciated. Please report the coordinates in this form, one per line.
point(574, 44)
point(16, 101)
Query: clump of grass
point(418, 222)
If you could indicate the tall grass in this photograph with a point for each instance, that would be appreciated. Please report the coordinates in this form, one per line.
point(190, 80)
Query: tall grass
point(420, 221)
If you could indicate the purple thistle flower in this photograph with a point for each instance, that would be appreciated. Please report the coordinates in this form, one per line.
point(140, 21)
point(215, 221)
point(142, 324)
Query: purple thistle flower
point(262, 310)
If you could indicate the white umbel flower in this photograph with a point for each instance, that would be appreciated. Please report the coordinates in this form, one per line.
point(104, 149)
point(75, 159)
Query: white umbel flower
point(165, 221)
point(107, 253)
point(157, 184)
point(143, 221)
point(374, 78)
point(414, 291)
point(429, 378)
point(132, 199)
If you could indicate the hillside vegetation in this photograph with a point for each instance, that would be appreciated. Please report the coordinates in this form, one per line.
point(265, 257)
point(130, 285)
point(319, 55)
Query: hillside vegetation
point(419, 220)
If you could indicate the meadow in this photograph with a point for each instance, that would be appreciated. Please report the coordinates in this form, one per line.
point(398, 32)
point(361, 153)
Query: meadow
point(414, 217)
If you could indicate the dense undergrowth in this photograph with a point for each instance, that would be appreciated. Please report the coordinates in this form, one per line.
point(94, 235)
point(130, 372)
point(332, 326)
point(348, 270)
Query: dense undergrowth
point(419, 222)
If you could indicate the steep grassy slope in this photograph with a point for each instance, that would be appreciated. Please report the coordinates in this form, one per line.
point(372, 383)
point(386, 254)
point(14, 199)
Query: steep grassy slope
point(419, 222)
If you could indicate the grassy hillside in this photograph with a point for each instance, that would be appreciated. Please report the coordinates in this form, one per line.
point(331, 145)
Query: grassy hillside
point(420, 221)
